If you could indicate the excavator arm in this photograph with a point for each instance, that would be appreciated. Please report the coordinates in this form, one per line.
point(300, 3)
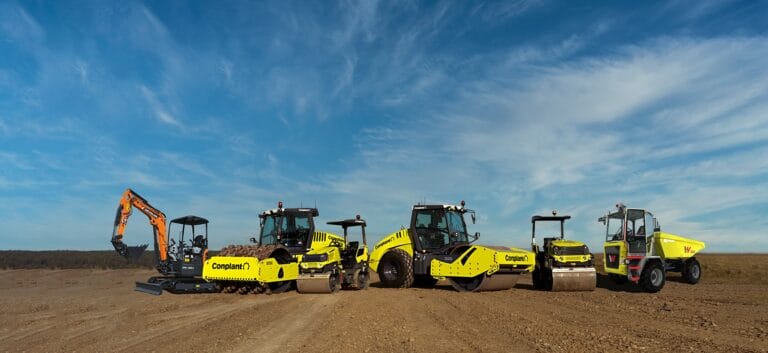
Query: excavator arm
point(128, 202)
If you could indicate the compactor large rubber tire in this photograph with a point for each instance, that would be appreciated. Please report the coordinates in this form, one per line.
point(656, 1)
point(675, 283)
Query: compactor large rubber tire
point(396, 269)
point(692, 271)
point(653, 277)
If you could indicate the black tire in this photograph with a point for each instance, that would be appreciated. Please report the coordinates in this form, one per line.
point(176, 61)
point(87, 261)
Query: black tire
point(618, 279)
point(653, 277)
point(546, 279)
point(536, 278)
point(692, 271)
point(362, 278)
point(424, 281)
point(279, 287)
point(396, 269)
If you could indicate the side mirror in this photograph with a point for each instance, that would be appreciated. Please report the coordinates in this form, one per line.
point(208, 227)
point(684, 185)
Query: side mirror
point(477, 235)
point(656, 226)
point(601, 220)
point(474, 218)
point(254, 240)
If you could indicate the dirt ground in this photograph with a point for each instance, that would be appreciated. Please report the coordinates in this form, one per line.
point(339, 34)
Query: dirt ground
point(98, 311)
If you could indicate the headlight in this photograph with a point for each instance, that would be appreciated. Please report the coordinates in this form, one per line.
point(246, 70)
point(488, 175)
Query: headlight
point(556, 250)
point(315, 258)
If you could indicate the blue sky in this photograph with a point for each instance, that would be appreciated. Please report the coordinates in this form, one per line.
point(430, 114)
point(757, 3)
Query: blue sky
point(221, 109)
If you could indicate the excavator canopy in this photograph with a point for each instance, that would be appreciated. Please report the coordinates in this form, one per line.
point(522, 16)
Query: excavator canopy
point(190, 220)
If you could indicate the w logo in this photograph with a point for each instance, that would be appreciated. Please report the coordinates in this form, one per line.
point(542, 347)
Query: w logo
point(611, 258)
point(687, 249)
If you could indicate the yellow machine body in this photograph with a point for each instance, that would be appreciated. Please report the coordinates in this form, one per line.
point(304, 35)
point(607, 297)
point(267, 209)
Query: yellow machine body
point(670, 246)
point(251, 269)
point(248, 269)
point(487, 260)
point(572, 260)
point(328, 246)
point(398, 240)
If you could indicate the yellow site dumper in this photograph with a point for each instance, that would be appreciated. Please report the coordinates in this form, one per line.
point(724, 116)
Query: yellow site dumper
point(636, 250)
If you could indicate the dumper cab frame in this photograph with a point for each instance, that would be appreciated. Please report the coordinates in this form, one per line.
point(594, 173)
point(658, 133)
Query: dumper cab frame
point(634, 250)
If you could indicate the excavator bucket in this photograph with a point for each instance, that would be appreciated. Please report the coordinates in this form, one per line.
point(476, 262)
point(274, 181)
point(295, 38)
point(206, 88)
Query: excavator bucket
point(149, 288)
point(133, 253)
point(573, 279)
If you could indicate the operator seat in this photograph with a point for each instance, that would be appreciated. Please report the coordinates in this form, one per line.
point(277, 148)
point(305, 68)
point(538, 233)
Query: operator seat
point(548, 241)
point(348, 256)
point(198, 244)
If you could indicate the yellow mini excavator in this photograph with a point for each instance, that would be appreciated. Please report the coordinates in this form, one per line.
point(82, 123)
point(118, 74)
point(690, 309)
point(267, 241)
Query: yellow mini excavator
point(437, 246)
point(179, 263)
point(561, 265)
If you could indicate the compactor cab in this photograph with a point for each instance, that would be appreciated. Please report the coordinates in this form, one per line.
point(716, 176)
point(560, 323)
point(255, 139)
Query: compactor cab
point(355, 254)
point(438, 246)
point(636, 250)
point(291, 228)
point(342, 264)
point(561, 265)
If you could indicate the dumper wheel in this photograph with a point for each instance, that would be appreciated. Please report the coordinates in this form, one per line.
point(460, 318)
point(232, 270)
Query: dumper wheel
point(424, 281)
point(692, 271)
point(396, 269)
point(653, 277)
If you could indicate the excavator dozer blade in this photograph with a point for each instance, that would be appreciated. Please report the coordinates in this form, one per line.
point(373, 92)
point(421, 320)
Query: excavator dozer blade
point(149, 288)
point(573, 279)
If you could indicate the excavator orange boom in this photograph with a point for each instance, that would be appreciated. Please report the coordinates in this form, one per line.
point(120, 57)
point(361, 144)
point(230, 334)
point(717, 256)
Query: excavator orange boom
point(128, 202)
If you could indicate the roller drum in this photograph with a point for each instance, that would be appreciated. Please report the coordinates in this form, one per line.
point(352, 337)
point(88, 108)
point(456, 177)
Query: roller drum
point(573, 279)
point(317, 283)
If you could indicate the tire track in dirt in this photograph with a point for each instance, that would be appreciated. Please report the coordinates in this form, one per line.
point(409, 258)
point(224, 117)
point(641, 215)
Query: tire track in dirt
point(291, 328)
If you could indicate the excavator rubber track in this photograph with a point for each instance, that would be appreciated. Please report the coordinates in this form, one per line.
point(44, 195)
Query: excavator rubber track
point(574, 279)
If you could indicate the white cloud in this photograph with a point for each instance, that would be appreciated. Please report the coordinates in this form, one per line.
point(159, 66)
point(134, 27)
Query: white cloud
point(583, 135)
point(158, 108)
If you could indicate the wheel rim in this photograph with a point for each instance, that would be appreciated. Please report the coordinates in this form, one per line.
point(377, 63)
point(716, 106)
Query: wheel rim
point(390, 271)
point(656, 277)
point(695, 271)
